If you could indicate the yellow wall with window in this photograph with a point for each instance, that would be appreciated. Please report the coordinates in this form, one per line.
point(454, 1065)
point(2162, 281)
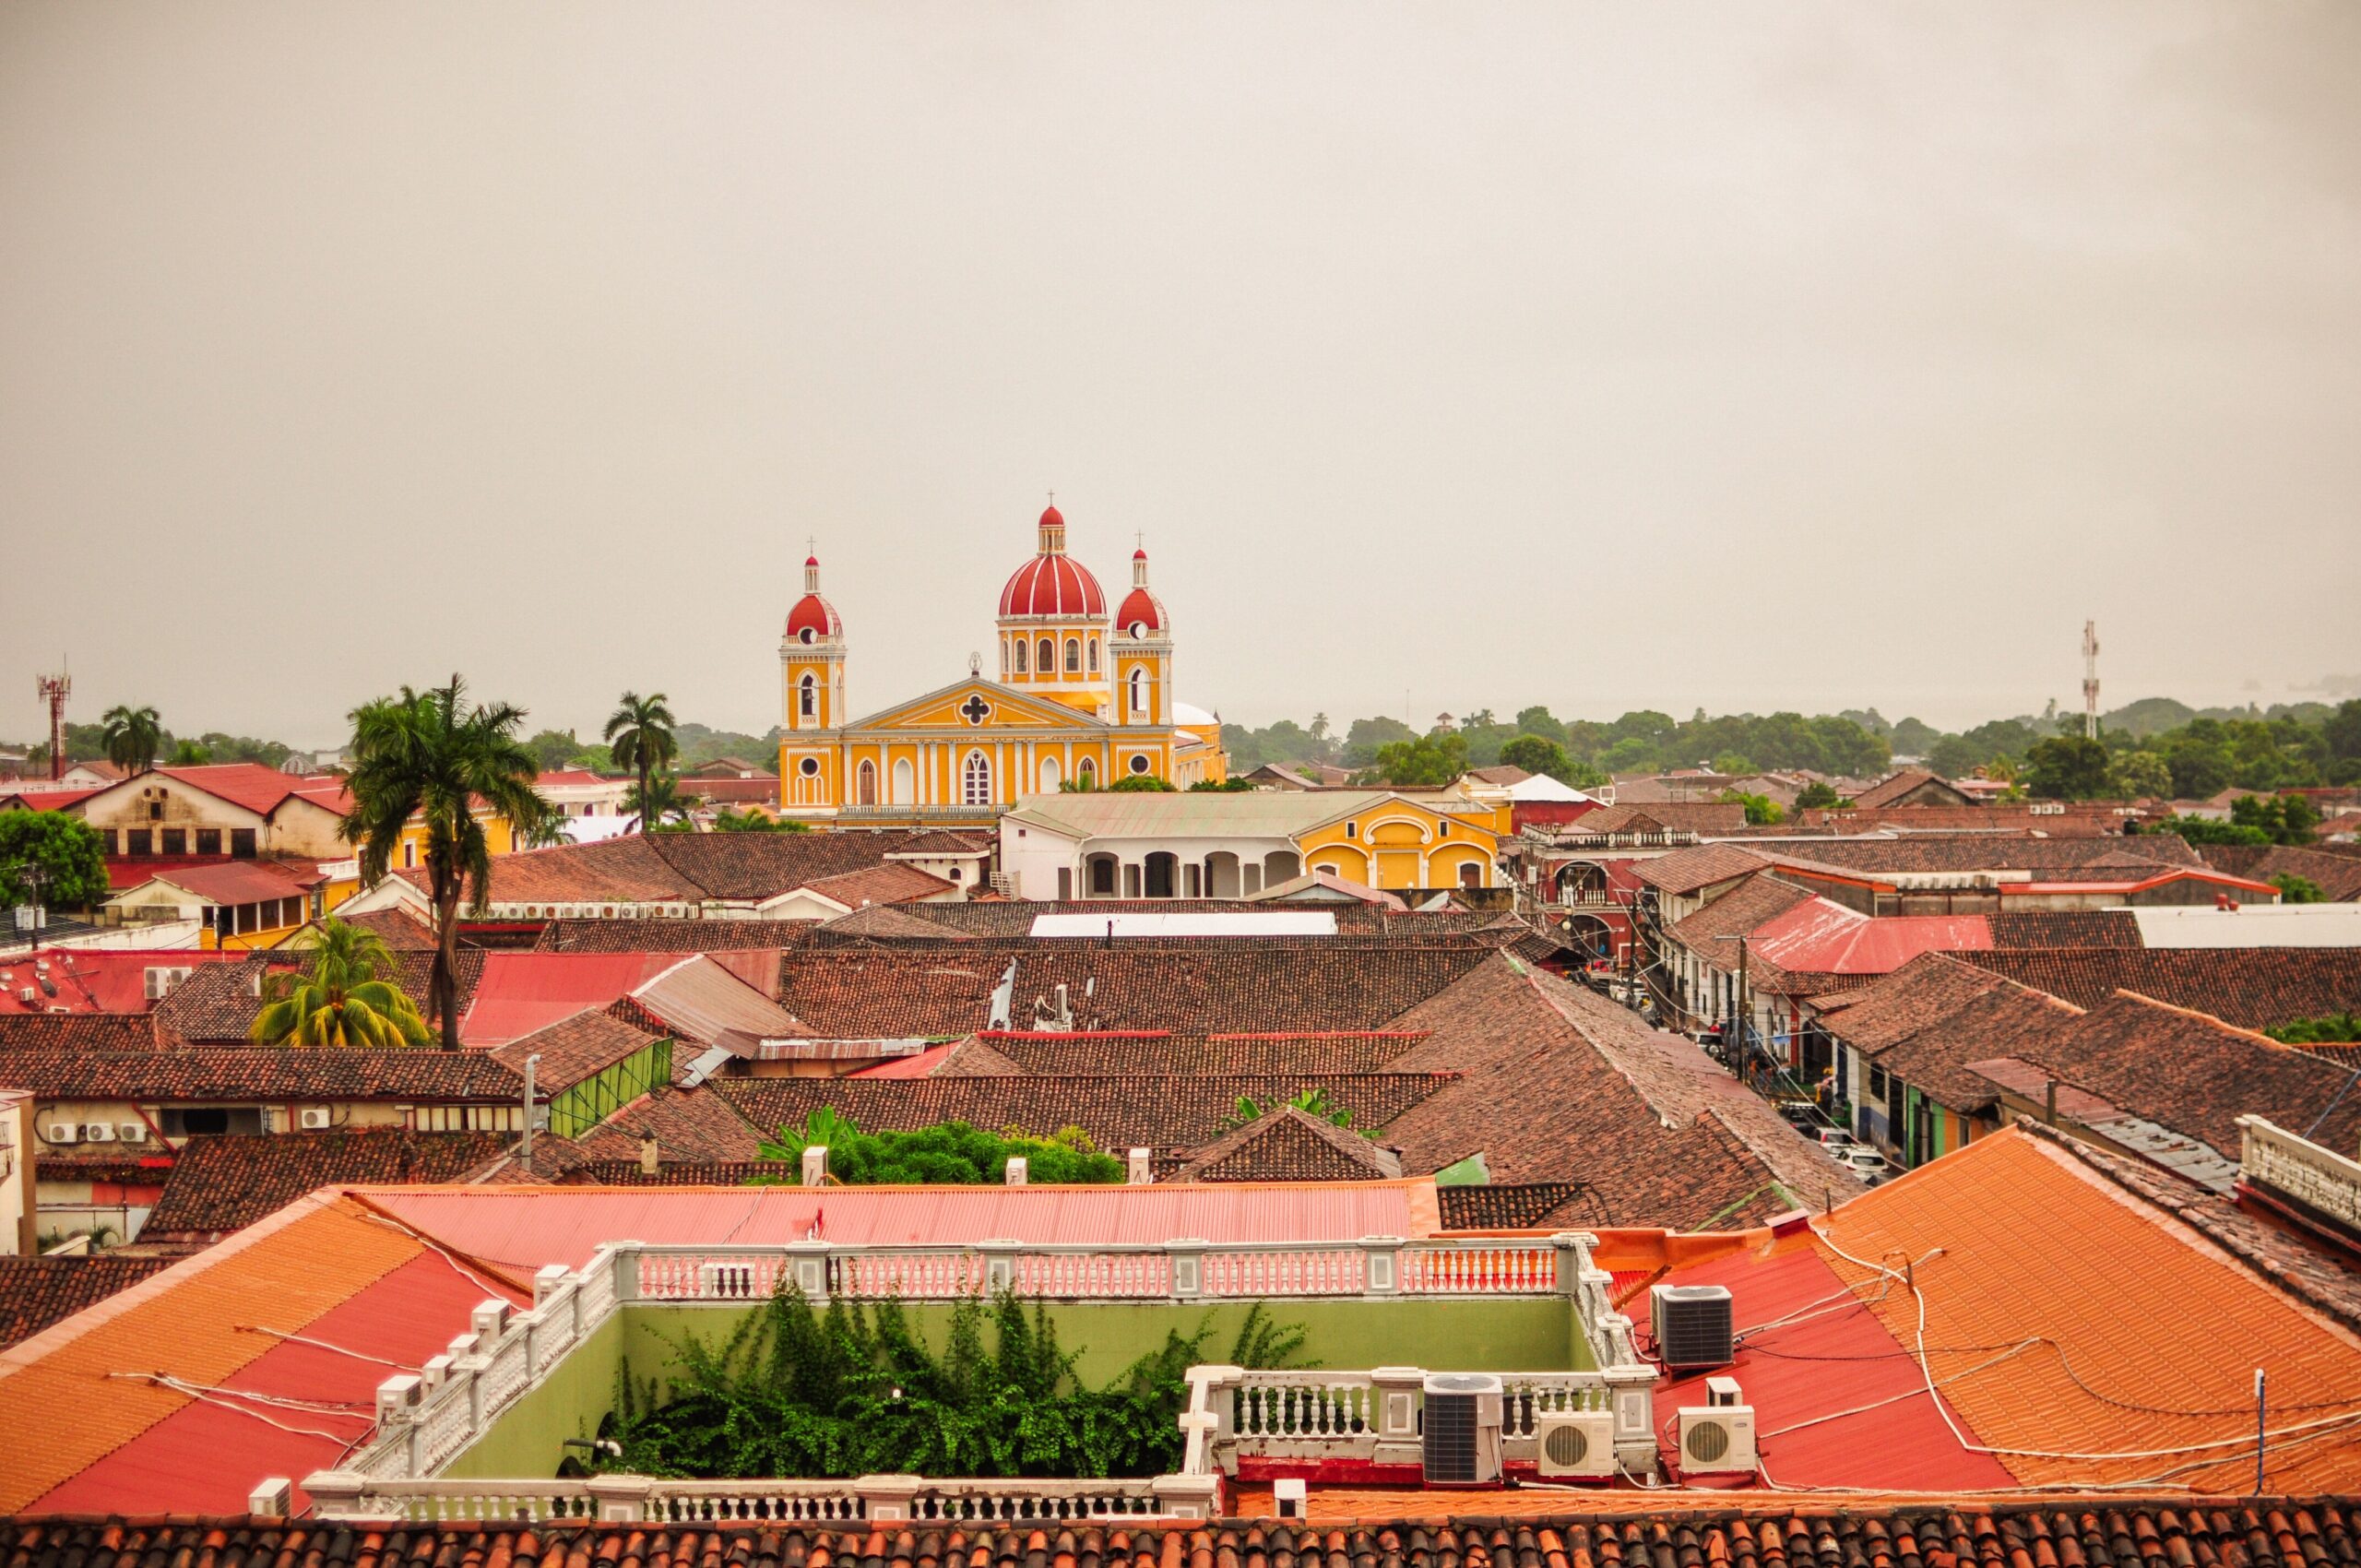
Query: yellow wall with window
point(1403, 844)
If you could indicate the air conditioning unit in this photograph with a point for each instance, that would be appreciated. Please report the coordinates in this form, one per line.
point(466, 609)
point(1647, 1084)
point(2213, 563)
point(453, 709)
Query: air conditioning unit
point(66, 1132)
point(29, 996)
point(1580, 1442)
point(132, 1132)
point(1718, 1436)
point(1692, 1323)
point(98, 1133)
point(313, 1119)
point(1461, 1444)
point(160, 981)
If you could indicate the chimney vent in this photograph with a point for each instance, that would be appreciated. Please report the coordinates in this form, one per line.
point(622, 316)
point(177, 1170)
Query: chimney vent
point(1141, 1173)
point(1016, 1169)
point(816, 1166)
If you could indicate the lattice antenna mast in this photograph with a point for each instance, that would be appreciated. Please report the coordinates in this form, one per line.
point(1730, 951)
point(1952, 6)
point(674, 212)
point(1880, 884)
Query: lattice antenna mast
point(2090, 680)
point(53, 690)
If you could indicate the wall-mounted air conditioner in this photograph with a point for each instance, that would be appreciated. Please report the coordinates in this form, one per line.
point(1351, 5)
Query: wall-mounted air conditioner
point(313, 1119)
point(1575, 1443)
point(98, 1133)
point(1461, 1438)
point(132, 1132)
point(65, 1131)
point(1716, 1439)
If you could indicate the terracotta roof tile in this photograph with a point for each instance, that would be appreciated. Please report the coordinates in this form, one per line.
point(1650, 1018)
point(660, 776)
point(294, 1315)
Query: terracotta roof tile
point(2339, 876)
point(218, 1003)
point(79, 1031)
point(38, 1292)
point(1691, 870)
point(688, 1126)
point(249, 1073)
point(1512, 1206)
point(573, 1049)
point(1311, 1052)
point(223, 1183)
point(2254, 987)
point(670, 935)
point(2063, 927)
point(1014, 918)
point(1285, 1144)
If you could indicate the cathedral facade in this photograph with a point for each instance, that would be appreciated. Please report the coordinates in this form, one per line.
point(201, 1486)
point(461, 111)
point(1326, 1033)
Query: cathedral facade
point(1081, 700)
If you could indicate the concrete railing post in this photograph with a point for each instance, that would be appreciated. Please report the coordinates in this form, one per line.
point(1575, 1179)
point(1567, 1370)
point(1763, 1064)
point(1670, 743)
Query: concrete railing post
point(886, 1497)
point(1187, 1497)
point(808, 1265)
point(620, 1500)
point(1000, 1264)
point(624, 1256)
point(1381, 1265)
point(1397, 1398)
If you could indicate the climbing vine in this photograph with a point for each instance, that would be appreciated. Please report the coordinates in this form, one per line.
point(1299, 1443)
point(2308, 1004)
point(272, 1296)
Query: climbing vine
point(796, 1391)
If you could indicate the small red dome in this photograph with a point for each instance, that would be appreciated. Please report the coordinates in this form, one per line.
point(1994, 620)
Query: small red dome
point(1053, 584)
point(1139, 554)
point(1141, 609)
point(811, 560)
point(815, 615)
point(1052, 518)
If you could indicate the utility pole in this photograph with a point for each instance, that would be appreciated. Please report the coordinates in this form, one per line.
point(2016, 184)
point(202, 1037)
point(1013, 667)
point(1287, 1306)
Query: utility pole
point(53, 690)
point(532, 1108)
point(2090, 680)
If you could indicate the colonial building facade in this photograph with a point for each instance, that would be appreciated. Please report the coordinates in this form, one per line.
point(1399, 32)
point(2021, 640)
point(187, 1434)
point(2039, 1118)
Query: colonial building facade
point(1080, 699)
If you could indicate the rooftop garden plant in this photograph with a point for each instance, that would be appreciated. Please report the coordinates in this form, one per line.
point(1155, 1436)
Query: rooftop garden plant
point(847, 1391)
point(954, 1153)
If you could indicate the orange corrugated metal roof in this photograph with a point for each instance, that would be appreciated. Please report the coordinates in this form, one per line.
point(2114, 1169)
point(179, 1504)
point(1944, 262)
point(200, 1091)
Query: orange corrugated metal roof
point(287, 1273)
point(2150, 1332)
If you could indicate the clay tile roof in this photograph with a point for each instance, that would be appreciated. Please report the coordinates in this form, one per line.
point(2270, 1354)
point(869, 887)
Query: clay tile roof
point(1688, 871)
point(1183, 1112)
point(1938, 1057)
point(1557, 1084)
point(2064, 928)
point(1712, 933)
point(38, 1292)
point(1890, 789)
point(1349, 1529)
point(1090, 1055)
point(219, 1002)
point(573, 1049)
point(2252, 988)
point(1928, 987)
point(2339, 876)
point(79, 1031)
point(688, 1126)
point(223, 1183)
point(249, 1073)
point(2056, 860)
point(890, 883)
point(2194, 1074)
point(397, 929)
point(1285, 1144)
point(670, 935)
point(1512, 1205)
point(884, 921)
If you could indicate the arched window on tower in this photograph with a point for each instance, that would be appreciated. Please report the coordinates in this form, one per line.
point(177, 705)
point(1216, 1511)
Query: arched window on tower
point(868, 786)
point(1020, 656)
point(1085, 776)
point(807, 699)
point(1048, 659)
point(1074, 657)
point(1093, 656)
point(975, 780)
point(1139, 691)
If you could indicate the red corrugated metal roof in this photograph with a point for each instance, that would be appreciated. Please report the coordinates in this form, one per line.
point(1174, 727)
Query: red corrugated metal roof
point(918, 1067)
point(1821, 937)
point(205, 1460)
point(98, 980)
point(523, 992)
point(49, 800)
point(526, 1229)
point(1837, 1360)
point(242, 882)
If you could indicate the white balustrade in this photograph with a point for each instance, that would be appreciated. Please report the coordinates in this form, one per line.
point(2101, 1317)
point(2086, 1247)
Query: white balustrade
point(2314, 1175)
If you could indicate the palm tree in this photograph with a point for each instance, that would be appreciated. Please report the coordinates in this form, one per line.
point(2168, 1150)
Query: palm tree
point(547, 833)
point(664, 801)
point(190, 753)
point(639, 735)
point(132, 736)
point(340, 996)
point(434, 756)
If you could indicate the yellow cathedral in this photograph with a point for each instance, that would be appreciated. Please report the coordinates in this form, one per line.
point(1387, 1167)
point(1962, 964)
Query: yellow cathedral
point(1081, 701)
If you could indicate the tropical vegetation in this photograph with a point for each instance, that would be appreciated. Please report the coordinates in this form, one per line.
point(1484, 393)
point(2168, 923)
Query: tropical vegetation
point(2336, 1029)
point(342, 995)
point(659, 802)
point(432, 755)
point(854, 1390)
point(639, 737)
point(132, 736)
point(50, 859)
point(952, 1154)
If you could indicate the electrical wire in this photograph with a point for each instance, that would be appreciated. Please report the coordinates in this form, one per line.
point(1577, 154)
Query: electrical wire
point(320, 1344)
point(197, 1392)
point(449, 1257)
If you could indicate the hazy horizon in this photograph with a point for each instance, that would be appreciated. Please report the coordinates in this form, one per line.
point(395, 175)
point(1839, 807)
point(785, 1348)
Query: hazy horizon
point(1601, 357)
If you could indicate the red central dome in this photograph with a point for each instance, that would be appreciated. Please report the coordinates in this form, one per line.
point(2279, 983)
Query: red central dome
point(814, 615)
point(1051, 583)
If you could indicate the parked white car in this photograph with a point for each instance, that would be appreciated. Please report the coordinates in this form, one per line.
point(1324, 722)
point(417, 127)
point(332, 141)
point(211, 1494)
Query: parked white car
point(1836, 1140)
point(1866, 1162)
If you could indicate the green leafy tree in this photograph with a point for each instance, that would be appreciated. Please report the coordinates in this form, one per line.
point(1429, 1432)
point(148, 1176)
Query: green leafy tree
point(639, 734)
point(1430, 759)
point(659, 802)
point(1540, 720)
point(2205, 830)
point(1140, 784)
point(554, 749)
point(190, 753)
point(1912, 738)
point(2294, 889)
point(1538, 754)
point(2067, 767)
point(1735, 764)
point(1362, 740)
point(2341, 730)
point(2336, 1029)
point(340, 996)
point(132, 736)
point(952, 1154)
point(1222, 786)
point(1815, 796)
point(1314, 1102)
point(2138, 775)
point(50, 859)
point(431, 755)
point(751, 821)
point(1761, 810)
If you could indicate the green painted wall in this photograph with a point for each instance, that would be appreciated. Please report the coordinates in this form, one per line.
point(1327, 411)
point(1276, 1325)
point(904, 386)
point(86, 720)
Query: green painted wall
point(1539, 1334)
point(591, 1101)
point(526, 1440)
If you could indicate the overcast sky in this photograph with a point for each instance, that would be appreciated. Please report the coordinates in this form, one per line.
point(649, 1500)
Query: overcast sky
point(1748, 356)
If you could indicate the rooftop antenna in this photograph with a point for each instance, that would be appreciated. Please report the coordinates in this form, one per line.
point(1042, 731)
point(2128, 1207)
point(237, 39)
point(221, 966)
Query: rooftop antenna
point(53, 690)
point(2090, 680)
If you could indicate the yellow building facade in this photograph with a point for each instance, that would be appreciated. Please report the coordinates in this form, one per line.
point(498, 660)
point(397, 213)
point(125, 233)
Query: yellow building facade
point(1082, 697)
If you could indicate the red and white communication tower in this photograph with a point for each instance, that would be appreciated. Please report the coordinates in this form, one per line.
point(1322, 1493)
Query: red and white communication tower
point(2090, 680)
point(53, 690)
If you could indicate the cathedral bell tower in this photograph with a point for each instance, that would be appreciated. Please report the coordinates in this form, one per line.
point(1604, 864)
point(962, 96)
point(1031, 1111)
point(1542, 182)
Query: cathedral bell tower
point(1140, 652)
point(812, 682)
